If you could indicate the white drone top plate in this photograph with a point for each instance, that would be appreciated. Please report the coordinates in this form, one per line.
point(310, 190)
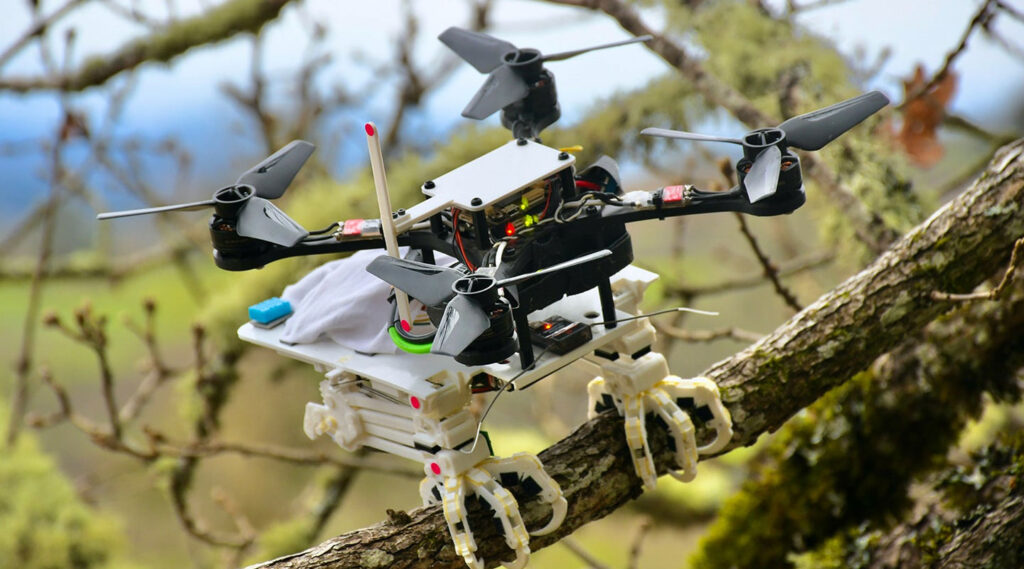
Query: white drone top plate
point(492, 177)
point(409, 372)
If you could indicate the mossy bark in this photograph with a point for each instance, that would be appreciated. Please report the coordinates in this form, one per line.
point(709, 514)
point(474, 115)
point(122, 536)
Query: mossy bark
point(972, 517)
point(823, 346)
point(851, 457)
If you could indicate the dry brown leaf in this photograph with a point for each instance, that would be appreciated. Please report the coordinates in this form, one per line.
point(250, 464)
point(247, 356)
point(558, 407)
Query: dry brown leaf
point(922, 114)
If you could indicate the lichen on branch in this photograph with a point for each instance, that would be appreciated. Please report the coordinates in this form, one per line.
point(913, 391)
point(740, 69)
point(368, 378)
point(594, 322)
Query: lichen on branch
point(212, 26)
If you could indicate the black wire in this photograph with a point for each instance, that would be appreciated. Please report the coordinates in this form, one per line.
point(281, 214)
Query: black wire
point(510, 385)
point(334, 225)
point(317, 239)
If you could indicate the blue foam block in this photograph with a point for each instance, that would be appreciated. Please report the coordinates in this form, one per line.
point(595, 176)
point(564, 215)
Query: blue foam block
point(270, 310)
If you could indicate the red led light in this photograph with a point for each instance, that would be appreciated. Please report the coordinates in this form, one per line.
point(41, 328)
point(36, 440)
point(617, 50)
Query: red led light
point(435, 468)
point(510, 229)
point(369, 129)
point(548, 325)
point(406, 326)
point(415, 402)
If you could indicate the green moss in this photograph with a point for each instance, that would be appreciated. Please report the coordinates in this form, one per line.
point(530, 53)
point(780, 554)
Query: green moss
point(849, 458)
point(996, 211)
point(43, 523)
point(901, 307)
point(282, 538)
point(374, 558)
point(967, 492)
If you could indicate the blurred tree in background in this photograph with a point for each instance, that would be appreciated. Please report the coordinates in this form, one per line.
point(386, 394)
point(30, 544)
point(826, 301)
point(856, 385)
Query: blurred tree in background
point(895, 419)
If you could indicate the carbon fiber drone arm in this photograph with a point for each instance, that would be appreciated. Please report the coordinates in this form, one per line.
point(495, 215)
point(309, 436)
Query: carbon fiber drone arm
point(419, 239)
point(673, 201)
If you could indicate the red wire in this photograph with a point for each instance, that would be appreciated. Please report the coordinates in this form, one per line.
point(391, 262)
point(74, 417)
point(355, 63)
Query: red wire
point(587, 185)
point(547, 202)
point(458, 239)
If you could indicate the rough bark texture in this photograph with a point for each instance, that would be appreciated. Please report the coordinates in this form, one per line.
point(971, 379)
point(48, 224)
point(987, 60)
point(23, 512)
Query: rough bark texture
point(873, 311)
point(850, 458)
point(974, 518)
point(819, 348)
point(215, 25)
point(992, 538)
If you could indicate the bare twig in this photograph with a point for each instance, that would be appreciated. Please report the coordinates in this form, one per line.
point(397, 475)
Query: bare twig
point(133, 14)
point(37, 29)
point(980, 19)
point(638, 543)
point(241, 521)
point(996, 293)
point(792, 8)
point(1013, 12)
point(334, 491)
point(964, 124)
point(214, 25)
point(868, 226)
point(23, 366)
point(702, 336)
point(416, 83)
point(784, 269)
point(160, 372)
point(584, 555)
point(1008, 46)
point(770, 272)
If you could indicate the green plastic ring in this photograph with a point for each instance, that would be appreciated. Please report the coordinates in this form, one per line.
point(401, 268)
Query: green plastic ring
point(406, 345)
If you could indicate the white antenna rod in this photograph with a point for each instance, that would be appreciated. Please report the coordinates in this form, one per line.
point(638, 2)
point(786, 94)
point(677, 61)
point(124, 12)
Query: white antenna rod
point(387, 224)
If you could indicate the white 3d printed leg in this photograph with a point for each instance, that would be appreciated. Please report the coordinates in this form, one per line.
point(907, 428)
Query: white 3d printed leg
point(436, 430)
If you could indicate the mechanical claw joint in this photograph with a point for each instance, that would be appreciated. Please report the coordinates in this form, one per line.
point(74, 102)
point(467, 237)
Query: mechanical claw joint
point(641, 388)
point(453, 477)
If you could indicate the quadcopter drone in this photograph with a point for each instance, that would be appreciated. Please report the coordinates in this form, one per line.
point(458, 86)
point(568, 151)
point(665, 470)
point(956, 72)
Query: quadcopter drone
point(542, 280)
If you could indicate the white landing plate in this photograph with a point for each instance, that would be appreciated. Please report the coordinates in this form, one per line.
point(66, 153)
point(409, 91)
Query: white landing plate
point(409, 372)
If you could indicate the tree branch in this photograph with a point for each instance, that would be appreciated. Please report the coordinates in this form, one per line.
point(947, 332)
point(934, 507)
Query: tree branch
point(819, 348)
point(214, 25)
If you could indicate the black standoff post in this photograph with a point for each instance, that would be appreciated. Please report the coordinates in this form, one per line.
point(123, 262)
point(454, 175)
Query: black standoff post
point(483, 239)
point(519, 316)
point(428, 255)
point(437, 226)
point(604, 289)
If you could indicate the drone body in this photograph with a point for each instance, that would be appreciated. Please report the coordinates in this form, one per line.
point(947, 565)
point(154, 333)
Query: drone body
point(543, 280)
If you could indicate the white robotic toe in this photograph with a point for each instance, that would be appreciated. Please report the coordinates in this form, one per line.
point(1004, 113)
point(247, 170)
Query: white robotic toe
point(632, 389)
point(482, 480)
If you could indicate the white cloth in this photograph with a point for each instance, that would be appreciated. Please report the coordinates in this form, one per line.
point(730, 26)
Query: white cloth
point(341, 300)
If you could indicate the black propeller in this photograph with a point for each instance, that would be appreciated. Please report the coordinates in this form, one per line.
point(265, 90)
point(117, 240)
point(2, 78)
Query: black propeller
point(468, 297)
point(809, 131)
point(247, 200)
point(512, 70)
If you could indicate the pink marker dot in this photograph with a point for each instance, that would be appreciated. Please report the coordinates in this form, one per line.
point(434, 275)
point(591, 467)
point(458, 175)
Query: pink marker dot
point(369, 129)
point(435, 468)
point(415, 402)
point(406, 326)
